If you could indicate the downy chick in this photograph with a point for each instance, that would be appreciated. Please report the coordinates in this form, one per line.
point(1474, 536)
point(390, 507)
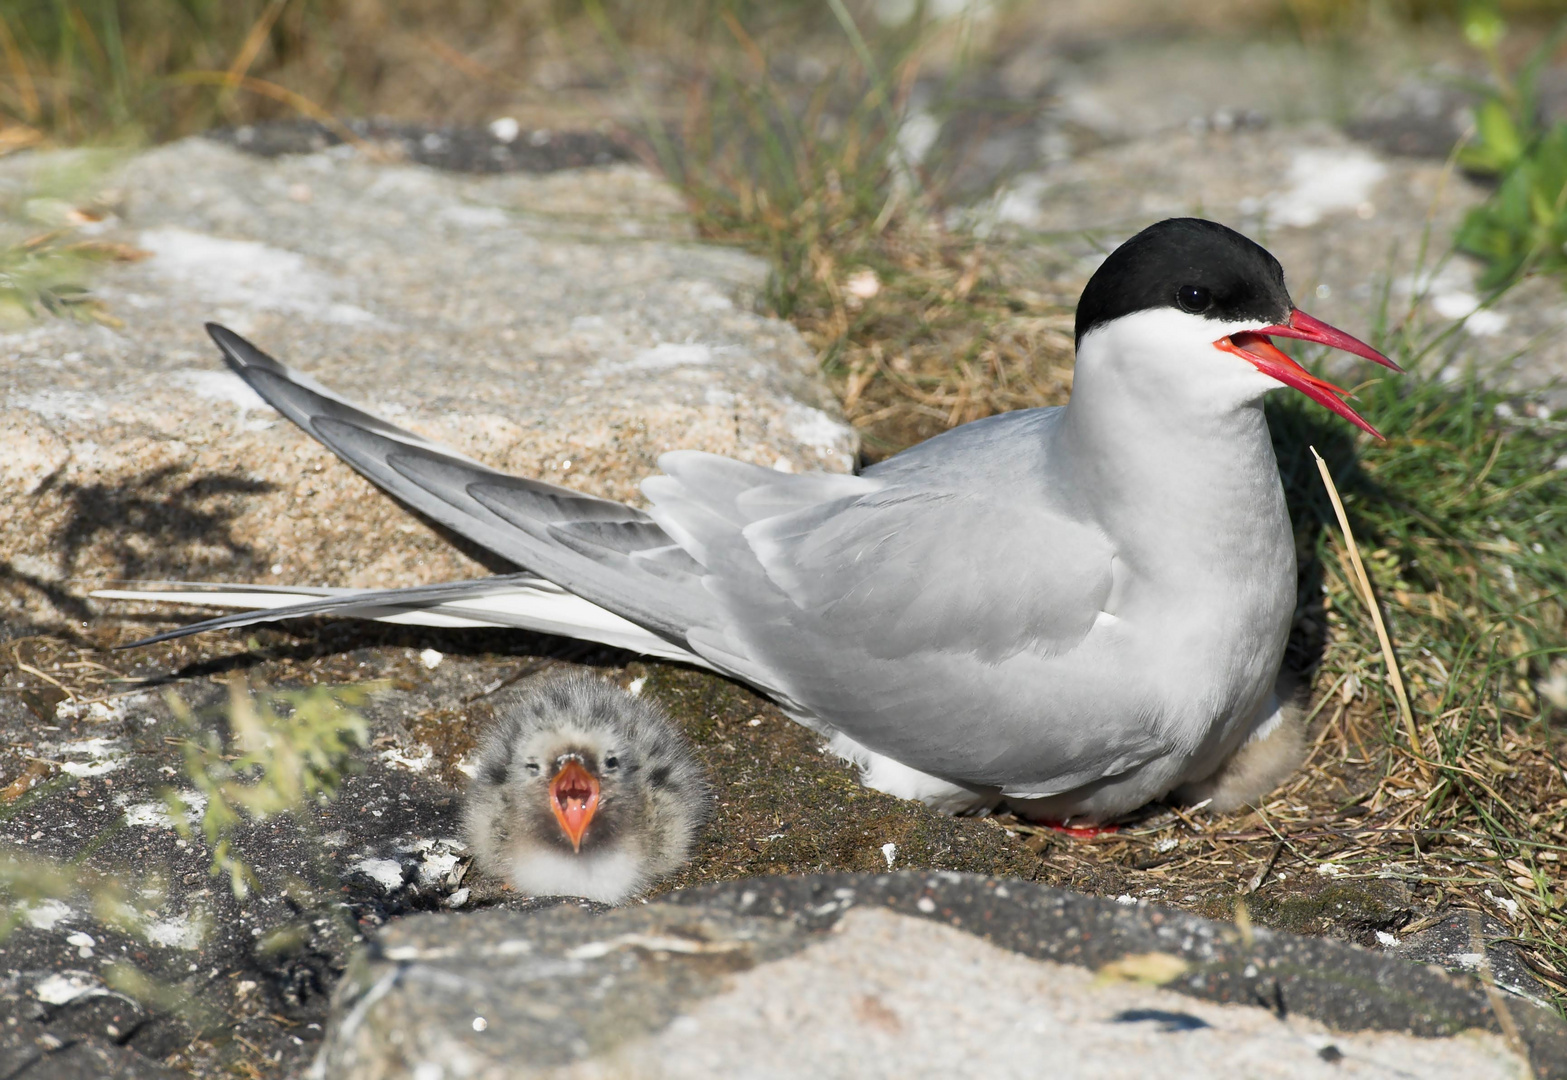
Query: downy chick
point(584, 790)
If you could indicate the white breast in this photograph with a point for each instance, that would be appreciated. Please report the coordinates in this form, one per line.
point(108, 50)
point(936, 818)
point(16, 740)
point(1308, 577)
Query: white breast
point(608, 876)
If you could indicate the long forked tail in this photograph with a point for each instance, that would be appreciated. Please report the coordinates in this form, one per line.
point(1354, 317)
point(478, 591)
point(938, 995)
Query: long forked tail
point(520, 601)
point(600, 570)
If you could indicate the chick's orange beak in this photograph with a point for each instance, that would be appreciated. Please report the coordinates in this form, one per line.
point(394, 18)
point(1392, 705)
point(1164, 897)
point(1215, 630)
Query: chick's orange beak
point(574, 797)
point(1256, 348)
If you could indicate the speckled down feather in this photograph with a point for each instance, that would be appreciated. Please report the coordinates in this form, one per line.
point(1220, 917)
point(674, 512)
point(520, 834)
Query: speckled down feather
point(654, 796)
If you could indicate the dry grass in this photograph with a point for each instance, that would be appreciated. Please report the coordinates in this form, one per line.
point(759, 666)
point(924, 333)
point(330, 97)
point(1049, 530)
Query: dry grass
point(130, 71)
point(928, 330)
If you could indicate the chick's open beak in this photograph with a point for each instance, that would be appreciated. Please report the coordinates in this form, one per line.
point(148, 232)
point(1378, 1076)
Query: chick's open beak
point(1254, 347)
point(574, 797)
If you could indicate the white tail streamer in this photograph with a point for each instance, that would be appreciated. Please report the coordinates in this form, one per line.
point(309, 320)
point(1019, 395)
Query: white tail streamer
point(536, 605)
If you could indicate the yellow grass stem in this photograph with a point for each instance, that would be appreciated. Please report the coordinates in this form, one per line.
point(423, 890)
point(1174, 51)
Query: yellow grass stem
point(51, 681)
point(1388, 659)
point(251, 48)
point(1495, 998)
point(26, 91)
point(18, 137)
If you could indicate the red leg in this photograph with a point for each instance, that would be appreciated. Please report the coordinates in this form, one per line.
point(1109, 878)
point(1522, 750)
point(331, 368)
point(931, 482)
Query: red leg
point(1079, 832)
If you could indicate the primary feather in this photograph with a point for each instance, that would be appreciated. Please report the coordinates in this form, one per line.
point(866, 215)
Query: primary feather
point(520, 601)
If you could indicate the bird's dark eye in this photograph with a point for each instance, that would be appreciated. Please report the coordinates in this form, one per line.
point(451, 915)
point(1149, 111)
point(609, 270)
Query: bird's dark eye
point(612, 762)
point(1193, 298)
point(533, 767)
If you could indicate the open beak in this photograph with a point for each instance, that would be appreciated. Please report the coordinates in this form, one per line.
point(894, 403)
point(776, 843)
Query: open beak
point(1254, 347)
point(574, 796)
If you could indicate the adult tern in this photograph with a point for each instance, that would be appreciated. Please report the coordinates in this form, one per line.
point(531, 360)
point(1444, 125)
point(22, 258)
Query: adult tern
point(1069, 610)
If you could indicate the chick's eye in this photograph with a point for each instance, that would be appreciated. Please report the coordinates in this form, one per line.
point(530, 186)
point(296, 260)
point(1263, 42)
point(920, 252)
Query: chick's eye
point(533, 767)
point(612, 762)
point(1193, 298)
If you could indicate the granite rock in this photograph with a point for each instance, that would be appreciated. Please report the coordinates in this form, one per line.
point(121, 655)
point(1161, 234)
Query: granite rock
point(501, 147)
point(28, 1049)
point(1463, 940)
point(900, 975)
point(564, 325)
point(251, 971)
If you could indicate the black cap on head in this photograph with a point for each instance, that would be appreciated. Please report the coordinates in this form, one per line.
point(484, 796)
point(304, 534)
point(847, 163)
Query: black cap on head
point(1191, 265)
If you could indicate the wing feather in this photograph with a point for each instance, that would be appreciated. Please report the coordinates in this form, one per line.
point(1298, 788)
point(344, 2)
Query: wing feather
point(505, 514)
point(917, 620)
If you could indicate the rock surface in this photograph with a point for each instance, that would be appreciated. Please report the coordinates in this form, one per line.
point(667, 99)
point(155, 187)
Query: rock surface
point(255, 969)
point(501, 147)
point(844, 975)
point(562, 326)
point(1466, 941)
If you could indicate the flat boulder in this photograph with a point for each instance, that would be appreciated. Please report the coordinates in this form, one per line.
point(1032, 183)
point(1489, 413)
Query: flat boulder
point(565, 325)
point(904, 975)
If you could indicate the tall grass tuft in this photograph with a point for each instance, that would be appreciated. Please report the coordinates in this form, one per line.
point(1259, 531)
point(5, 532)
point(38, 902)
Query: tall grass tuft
point(284, 752)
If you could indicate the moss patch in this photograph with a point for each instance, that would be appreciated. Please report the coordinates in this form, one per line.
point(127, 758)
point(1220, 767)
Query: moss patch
point(1353, 911)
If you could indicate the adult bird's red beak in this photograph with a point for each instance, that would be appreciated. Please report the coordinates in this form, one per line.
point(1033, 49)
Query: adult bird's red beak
point(1254, 347)
point(574, 796)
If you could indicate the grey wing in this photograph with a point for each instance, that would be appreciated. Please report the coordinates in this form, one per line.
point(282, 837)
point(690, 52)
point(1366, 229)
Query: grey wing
point(607, 553)
point(933, 626)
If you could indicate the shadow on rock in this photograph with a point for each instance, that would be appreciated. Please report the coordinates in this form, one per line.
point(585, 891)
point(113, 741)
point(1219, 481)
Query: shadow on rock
point(156, 527)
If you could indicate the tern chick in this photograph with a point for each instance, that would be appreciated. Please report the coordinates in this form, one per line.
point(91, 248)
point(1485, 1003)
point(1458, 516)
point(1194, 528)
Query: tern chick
point(584, 790)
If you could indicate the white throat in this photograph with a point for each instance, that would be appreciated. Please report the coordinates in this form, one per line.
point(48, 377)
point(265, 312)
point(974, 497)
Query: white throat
point(1167, 439)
